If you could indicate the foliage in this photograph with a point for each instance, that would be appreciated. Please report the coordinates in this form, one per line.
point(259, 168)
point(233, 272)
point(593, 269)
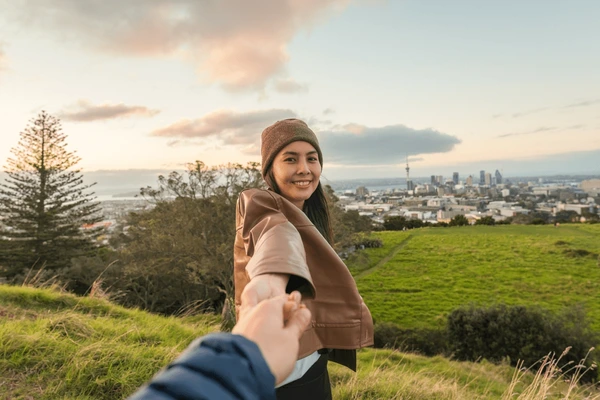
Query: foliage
point(566, 216)
point(487, 220)
point(429, 342)
point(459, 220)
point(399, 223)
point(346, 225)
point(519, 333)
point(44, 204)
point(180, 253)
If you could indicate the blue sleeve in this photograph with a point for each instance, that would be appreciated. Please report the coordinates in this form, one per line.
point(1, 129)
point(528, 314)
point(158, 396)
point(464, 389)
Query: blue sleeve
point(218, 366)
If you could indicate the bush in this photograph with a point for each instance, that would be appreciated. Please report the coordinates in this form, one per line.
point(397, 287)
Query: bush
point(429, 342)
point(519, 333)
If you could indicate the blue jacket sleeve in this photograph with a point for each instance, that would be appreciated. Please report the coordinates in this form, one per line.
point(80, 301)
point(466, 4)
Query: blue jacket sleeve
point(218, 366)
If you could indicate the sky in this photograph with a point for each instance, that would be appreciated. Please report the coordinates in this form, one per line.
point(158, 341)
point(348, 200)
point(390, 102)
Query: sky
point(451, 85)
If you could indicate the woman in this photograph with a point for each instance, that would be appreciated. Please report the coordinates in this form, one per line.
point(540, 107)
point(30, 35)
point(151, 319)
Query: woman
point(283, 243)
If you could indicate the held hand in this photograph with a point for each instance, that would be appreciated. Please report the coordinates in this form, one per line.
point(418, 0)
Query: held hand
point(263, 287)
point(276, 326)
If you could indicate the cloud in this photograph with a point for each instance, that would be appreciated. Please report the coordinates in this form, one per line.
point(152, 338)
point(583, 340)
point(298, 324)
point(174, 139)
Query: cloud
point(84, 111)
point(328, 111)
point(538, 130)
point(229, 127)
point(240, 44)
point(583, 103)
point(542, 109)
point(290, 86)
point(355, 144)
point(543, 129)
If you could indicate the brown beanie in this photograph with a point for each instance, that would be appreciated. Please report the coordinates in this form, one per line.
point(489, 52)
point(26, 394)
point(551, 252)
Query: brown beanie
point(280, 134)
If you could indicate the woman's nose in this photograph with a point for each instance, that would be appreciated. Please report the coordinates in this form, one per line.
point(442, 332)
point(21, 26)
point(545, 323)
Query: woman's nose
point(303, 167)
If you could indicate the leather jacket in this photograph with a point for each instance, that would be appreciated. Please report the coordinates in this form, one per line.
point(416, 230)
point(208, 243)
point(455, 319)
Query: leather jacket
point(275, 236)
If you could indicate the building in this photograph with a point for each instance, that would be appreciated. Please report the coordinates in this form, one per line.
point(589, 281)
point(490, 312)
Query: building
point(362, 191)
point(487, 179)
point(433, 179)
point(410, 185)
point(482, 177)
point(470, 181)
point(455, 178)
point(498, 177)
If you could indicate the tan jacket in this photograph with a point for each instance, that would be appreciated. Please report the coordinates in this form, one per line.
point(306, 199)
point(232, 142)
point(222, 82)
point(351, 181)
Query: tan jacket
point(274, 236)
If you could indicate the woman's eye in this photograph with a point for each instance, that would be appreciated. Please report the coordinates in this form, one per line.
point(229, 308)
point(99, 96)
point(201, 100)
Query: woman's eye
point(289, 160)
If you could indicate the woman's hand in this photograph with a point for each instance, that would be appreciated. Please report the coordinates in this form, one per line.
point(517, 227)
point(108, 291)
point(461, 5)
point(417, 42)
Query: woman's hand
point(263, 287)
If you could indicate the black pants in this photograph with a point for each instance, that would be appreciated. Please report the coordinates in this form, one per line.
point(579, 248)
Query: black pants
point(314, 385)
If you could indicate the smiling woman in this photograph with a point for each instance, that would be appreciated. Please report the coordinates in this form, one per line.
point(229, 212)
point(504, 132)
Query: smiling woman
point(283, 243)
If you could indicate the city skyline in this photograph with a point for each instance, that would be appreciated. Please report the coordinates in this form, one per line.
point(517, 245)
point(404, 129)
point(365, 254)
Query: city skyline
point(460, 86)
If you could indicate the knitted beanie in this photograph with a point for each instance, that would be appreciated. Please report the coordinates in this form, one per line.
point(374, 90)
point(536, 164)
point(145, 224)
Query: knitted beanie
point(280, 134)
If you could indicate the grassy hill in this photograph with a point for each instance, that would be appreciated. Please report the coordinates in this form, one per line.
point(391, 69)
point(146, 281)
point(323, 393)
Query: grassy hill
point(59, 346)
point(420, 276)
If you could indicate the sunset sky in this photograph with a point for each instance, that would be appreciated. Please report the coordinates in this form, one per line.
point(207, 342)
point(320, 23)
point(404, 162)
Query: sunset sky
point(455, 85)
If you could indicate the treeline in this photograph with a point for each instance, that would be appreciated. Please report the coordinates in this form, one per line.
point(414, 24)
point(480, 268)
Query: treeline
point(175, 258)
point(400, 223)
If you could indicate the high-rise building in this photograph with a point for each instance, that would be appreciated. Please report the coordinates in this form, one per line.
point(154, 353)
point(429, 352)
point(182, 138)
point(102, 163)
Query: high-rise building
point(455, 178)
point(470, 180)
point(410, 185)
point(488, 179)
point(498, 177)
point(433, 179)
point(482, 177)
point(362, 191)
point(439, 179)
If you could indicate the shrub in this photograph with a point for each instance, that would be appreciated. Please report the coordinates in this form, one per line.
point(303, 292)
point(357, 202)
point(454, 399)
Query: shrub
point(429, 342)
point(519, 333)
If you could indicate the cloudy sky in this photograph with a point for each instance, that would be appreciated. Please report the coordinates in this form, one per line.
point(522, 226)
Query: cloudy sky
point(453, 85)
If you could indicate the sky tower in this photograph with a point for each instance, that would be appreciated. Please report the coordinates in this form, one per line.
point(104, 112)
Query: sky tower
point(409, 184)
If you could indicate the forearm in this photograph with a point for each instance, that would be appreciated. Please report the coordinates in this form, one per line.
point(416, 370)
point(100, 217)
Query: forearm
point(218, 366)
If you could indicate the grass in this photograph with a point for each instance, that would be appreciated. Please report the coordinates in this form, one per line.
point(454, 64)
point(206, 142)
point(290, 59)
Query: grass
point(59, 346)
point(440, 269)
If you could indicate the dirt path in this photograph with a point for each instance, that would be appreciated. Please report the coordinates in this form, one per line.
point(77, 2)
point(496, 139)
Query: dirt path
point(385, 259)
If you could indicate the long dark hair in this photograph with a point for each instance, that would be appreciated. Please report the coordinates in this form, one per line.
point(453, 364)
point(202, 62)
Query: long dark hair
point(316, 207)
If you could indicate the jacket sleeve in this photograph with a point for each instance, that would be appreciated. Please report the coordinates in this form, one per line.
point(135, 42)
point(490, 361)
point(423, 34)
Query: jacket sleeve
point(219, 366)
point(272, 242)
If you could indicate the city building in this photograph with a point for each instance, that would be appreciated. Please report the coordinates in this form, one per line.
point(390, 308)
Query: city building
point(455, 177)
point(498, 177)
point(487, 179)
point(482, 177)
point(362, 191)
point(470, 180)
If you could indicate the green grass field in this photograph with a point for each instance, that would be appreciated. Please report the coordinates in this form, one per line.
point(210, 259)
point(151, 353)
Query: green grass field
point(58, 346)
point(439, 269)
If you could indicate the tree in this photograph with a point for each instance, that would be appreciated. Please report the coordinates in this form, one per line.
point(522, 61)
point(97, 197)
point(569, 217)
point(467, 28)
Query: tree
point(180, 253)
point(395, 223)
point(459, 220)
point(487, 220)
point(43, 203)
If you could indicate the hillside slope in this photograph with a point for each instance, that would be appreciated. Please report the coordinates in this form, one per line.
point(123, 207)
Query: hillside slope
point(435, 270)
point(59, 346)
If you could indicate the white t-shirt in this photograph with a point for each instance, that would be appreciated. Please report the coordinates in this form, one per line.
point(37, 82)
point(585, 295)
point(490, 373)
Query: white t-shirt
point(302, 365)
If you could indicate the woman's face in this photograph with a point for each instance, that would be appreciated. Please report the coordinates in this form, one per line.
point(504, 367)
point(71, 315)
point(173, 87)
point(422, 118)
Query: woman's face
point(296, 170)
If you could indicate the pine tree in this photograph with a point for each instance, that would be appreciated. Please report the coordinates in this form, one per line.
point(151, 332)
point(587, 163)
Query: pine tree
point(44, 203)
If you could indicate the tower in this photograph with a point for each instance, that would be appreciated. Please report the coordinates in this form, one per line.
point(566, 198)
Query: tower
point(409, 185)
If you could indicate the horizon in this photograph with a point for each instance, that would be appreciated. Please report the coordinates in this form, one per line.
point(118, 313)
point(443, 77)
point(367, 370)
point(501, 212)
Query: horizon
point(453, 87)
